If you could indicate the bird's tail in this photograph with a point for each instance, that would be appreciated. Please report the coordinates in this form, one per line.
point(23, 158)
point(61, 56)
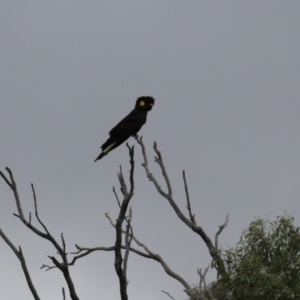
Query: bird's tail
point(99, 156)
point(105, 151)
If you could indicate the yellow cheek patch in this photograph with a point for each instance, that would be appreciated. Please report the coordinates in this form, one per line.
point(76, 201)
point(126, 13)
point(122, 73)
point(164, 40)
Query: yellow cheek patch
point(142, 103)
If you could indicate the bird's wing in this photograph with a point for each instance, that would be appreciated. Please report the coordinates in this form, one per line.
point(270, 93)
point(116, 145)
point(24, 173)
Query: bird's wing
point(129, 125)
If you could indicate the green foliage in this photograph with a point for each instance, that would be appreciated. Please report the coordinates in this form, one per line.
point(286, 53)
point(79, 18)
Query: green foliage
point(266, 262)
point(217, 291)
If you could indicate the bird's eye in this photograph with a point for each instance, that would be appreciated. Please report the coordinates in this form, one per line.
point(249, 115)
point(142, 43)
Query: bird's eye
point(142, 103)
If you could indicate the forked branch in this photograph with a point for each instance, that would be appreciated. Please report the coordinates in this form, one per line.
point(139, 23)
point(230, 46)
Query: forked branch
point(151, 255)
point(21, 258)
point(64, 265)
point(203, 280)
point(191, 223)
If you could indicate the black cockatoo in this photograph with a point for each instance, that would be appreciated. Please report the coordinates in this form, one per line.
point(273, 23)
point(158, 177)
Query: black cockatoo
point(129, 126)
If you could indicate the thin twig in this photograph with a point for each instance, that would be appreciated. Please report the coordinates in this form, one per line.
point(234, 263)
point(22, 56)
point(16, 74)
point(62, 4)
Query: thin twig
point(158, 159)
point(221, 228)
point(114, 191)
point(36, 210)
point(189, 208)
point(13, 186)
point(87, 251)
point(21, 257)
point(167, 294)
point(123, 186)
point(202, 279)
point(131, 155)
point(5, 179)
point(63, 292)
point(64, 244)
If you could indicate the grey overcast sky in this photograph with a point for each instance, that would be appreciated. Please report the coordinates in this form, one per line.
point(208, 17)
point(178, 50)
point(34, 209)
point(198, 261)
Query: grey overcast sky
point(226, 79)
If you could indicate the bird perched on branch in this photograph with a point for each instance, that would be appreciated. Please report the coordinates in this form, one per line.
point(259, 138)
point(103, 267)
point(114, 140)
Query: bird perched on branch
point(129, 126)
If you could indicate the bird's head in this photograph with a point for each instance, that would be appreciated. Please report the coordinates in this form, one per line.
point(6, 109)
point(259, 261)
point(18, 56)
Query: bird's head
point(144, 103)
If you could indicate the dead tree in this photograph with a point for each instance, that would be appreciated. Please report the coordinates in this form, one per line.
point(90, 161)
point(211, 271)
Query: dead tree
point(120, 261)
point(190, 222)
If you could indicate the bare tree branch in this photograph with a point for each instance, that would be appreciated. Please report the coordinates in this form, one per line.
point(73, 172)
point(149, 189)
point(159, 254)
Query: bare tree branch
point(123, 186)
point(63, 292)
point(121, 271)
point(128, 238)
point(13, 186)
point(86, 251)
point(114, 190)
point(197, 229)
point(21, 257)
point(202, 279)
point(168, 294)
point(6, 180)
point(221, 228)
point(64, 265)
point(188, 206)
point(36, 210)
point(155, 257)
point(158, 159)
